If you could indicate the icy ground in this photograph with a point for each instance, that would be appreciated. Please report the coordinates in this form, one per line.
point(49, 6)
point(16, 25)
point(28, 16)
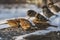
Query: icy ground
point(20, 11)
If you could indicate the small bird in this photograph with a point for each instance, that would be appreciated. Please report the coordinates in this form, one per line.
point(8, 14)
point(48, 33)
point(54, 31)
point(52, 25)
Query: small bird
point(21, 22)
point(41, 24)
point(25, 24)
point(32, 13)
point(53, 8)
point(47, 12)
point(13, 23)
point(40, 17)
point(50, 1)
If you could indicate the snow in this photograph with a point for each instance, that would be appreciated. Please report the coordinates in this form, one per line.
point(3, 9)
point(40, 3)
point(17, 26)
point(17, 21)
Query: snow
point(4, 26)
point(0, 38)
point(20, 12)
point(55, 20)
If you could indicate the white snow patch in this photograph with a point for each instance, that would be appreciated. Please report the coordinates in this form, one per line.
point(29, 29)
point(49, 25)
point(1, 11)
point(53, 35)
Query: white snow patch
point(4, 26)
point(0, 38)
point(55, 20)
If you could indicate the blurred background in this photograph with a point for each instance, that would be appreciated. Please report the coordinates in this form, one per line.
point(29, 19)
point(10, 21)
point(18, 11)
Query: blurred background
point(21, 1)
